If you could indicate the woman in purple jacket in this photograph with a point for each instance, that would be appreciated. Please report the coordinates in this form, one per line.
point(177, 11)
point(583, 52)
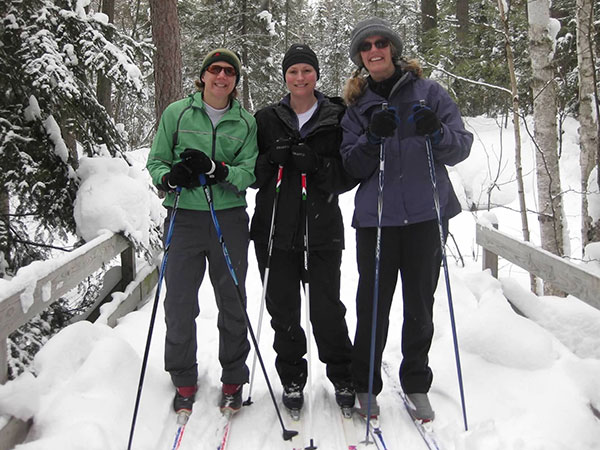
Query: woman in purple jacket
point(392, 105)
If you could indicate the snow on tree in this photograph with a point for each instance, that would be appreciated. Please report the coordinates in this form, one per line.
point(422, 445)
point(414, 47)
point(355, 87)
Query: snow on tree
point(54, 51)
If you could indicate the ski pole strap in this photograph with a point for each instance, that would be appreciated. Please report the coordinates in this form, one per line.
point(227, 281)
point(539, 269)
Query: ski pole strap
point(304, 192)
point(172, 222)
point(380, 175)
point(305, 217)
point(279, 178)
point(213, 215)
point(432, 176)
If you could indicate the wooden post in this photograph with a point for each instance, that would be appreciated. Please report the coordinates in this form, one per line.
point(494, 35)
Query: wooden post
point(54, 283)
point(13, 433)
point(128, 269)
point(574, 279)
point(490, 259)
point(3, 359)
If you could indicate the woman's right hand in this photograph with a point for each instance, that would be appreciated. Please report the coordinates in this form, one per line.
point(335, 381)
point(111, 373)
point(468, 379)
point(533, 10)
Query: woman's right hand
point(383, 123)
point(179, 176)
point(280, 151)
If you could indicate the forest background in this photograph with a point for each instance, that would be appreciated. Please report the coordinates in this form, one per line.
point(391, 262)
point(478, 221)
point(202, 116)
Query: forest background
point(90, 78)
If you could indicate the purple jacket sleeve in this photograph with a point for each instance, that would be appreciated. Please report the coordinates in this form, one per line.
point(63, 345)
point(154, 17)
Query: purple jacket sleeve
point(456, 142)
point(360, 158)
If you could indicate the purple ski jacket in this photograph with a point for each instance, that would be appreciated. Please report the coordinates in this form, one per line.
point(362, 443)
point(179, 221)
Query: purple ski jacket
point(407, 190)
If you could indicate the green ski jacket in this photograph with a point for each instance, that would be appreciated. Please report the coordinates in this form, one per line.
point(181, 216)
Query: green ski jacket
point(185, 124)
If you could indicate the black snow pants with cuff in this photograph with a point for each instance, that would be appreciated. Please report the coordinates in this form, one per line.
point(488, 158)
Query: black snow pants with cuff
point(327, 313)
point(414, 251)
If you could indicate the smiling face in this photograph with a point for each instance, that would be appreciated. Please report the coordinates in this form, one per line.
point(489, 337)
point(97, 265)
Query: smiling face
point(301, 79)
point(378, 61)
point(217, 87)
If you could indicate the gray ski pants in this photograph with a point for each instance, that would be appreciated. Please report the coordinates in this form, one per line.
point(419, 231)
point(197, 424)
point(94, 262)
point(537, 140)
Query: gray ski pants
point(193, 243)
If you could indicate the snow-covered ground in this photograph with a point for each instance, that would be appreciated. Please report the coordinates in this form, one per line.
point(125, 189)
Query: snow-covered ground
point(526, 387)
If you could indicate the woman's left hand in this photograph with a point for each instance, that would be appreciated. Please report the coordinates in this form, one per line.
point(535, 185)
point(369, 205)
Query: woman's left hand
point(305, 158)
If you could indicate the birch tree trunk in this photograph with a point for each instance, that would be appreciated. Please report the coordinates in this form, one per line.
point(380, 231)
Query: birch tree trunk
point(167, 58)
point(550, 210)
point(517, 128)
point(588, 119)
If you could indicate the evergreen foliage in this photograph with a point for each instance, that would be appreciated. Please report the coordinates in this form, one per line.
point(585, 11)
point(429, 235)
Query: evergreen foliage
point(48, 99)
point(51, 53)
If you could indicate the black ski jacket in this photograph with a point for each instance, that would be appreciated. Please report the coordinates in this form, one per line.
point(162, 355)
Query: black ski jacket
point(325, 227)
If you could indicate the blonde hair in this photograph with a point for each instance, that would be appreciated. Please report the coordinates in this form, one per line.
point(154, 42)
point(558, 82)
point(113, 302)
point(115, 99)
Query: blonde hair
point(200, 87)
point(355, 85)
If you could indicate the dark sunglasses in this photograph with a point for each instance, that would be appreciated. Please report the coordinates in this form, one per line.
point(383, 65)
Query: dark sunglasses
point(216, 70)
point(380, 43)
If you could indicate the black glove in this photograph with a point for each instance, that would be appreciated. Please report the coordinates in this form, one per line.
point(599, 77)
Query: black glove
point(426, 122)
point(383, 123)
point(280, 151)
point(218, 174)
point(197, 161)
point(200, 163)
point(180, 175)
point(305, 158)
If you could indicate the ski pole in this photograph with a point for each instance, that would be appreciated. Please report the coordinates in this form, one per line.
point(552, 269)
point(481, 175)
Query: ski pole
point(436, 201)
point(381, 173)
point(153, 314)
point(265, 278)
point(287, 434)
point(307, 304)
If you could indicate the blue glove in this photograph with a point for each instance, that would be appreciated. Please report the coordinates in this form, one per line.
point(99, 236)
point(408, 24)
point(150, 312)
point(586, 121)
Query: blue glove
point(383, 123)
point(426, 122)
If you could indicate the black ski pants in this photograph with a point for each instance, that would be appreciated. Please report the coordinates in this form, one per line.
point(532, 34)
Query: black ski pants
point(414, 251)
point(327, 313)
point(194, 242)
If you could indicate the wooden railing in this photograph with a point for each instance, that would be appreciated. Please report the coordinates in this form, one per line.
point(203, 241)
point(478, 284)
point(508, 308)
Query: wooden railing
point(20, 303)
point(571, 278)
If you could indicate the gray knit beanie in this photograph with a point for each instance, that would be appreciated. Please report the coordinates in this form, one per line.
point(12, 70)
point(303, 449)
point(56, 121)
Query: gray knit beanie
point(372, 27)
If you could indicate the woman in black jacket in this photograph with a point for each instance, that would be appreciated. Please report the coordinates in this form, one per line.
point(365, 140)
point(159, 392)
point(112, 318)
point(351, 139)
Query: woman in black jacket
point(302, 135)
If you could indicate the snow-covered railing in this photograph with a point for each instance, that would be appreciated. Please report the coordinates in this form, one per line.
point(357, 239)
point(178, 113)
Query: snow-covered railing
point(571, 278)
point(42, 283)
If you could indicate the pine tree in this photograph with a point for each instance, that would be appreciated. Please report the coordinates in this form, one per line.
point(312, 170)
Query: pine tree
point(54, 51)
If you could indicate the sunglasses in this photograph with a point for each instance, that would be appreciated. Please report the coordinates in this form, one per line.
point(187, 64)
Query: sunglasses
point(216, 70)
point(380, 43)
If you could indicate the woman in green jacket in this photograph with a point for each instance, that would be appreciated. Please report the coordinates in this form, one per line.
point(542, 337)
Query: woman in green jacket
point(209, 134)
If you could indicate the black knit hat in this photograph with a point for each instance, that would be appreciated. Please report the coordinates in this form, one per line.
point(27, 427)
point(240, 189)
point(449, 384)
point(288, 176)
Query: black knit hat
point(222, 54)
point(372, 27)
point(300, 53)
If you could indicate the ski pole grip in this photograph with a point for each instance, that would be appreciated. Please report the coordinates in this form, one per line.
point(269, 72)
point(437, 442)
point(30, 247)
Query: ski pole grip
point(423, 104)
